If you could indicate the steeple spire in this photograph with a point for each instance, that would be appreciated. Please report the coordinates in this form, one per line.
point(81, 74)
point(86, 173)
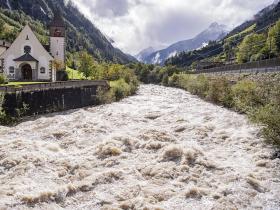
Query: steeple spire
point(57, 20)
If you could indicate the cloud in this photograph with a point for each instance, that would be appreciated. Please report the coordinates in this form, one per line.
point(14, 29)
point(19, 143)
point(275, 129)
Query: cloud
point(137, 24)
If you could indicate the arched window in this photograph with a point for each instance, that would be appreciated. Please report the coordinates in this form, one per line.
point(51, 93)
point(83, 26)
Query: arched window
point(42, 70)
point(11, 70)
point(27, 49)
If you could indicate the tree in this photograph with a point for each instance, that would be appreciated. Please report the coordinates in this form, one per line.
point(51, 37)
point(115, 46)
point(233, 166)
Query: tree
point(58, 65)
point(2, 26)
point(87, 65)
point(273, 40)
point(251, 48)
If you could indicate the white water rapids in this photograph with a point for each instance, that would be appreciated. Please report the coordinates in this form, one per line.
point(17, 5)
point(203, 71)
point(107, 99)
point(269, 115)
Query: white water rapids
point(160, 149)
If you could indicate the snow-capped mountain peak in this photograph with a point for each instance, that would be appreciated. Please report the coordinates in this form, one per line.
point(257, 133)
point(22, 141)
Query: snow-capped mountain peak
point(215, 31)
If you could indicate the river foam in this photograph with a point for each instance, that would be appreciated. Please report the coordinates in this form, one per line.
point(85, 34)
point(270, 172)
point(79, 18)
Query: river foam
point(160, 149)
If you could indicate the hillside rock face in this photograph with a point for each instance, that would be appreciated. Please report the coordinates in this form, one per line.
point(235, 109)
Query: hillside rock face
point(214, 32)
point(81, 33)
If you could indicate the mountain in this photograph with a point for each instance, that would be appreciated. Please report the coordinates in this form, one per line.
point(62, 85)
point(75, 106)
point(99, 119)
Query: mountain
point(214, 32)
point(262, 19)
point(81, 33)
point(142, 56)
point(259, 23)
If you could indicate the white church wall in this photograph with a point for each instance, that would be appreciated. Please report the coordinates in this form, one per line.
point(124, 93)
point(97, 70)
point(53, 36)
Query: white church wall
point(9, 62)
point(2, 49)
point(43, 63)
point(26, 38)
point(57, 47)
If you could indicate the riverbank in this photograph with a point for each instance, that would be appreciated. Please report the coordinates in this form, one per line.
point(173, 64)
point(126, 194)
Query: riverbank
point(162, 148)
point(257, 95)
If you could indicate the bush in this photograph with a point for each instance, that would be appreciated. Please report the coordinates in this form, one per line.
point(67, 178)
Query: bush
point(198, 85)
point(3, 79)
point(164, 80)
point(119, 90)
point(220, 92)
point(269, 117)
point(173, 81)
point(245, 96)
point(62, 75)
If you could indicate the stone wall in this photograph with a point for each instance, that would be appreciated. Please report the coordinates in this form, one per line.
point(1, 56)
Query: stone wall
point(53, 99)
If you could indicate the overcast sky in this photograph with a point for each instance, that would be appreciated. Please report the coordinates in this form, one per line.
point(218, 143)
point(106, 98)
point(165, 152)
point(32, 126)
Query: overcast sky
point(138, 24)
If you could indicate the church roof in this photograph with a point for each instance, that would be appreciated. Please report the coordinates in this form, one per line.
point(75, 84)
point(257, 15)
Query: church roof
point(57, 20)
point(47, 47)
point(26, 57)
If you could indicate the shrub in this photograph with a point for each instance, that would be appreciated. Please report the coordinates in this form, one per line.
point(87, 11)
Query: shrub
point(245, 96)
point(164, 80)
point(174, 81)
point(198, 85)
point(119, 90)
point(4, 118)
point(220, 92)
point(3, 79)
point(269, 117)
point(62, 75)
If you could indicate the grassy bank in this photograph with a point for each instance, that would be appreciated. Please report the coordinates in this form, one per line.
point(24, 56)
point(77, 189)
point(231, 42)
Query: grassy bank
point(258, 96)
point(74, 74)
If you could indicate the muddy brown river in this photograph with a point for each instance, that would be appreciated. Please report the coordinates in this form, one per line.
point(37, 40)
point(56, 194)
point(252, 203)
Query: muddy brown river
point(160, 149)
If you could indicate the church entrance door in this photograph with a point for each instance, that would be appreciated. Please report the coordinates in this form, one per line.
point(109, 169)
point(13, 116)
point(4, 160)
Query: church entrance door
point(26, 72)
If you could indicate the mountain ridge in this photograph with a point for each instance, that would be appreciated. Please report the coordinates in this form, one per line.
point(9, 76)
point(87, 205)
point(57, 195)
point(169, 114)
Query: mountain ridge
point(81, 32)
point(214, 32)
point(259, 23)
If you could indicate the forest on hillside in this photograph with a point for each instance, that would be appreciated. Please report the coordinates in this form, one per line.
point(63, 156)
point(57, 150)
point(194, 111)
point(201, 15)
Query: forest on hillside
point(81, 33)
point(253, 40)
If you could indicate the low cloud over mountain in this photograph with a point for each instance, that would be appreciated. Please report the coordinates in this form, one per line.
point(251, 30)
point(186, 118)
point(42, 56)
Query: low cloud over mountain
point(137, 24)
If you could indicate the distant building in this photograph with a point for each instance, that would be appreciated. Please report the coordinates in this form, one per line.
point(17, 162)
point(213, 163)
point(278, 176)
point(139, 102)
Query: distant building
point(26, 59)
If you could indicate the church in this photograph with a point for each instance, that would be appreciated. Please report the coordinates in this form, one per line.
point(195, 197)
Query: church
point(26, 59)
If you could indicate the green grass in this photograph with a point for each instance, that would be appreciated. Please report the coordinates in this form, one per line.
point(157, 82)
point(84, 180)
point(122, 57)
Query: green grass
point(22, 83)
point(74, 74)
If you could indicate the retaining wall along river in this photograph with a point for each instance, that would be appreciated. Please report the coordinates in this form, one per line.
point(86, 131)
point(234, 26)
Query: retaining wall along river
point(51, 97)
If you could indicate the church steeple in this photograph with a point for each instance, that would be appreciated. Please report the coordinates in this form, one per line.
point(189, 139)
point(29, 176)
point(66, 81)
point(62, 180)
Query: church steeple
point(57, 25)
point(57, 37)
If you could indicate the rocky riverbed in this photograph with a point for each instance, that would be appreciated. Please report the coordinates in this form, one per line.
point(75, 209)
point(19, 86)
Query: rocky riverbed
point(160, 149)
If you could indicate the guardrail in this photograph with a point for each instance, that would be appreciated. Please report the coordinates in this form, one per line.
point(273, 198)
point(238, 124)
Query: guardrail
point(270, 65)
point(55, 85)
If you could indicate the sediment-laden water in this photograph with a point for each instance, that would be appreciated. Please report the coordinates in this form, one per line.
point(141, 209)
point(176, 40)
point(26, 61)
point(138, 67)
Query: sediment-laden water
point(160, 149)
